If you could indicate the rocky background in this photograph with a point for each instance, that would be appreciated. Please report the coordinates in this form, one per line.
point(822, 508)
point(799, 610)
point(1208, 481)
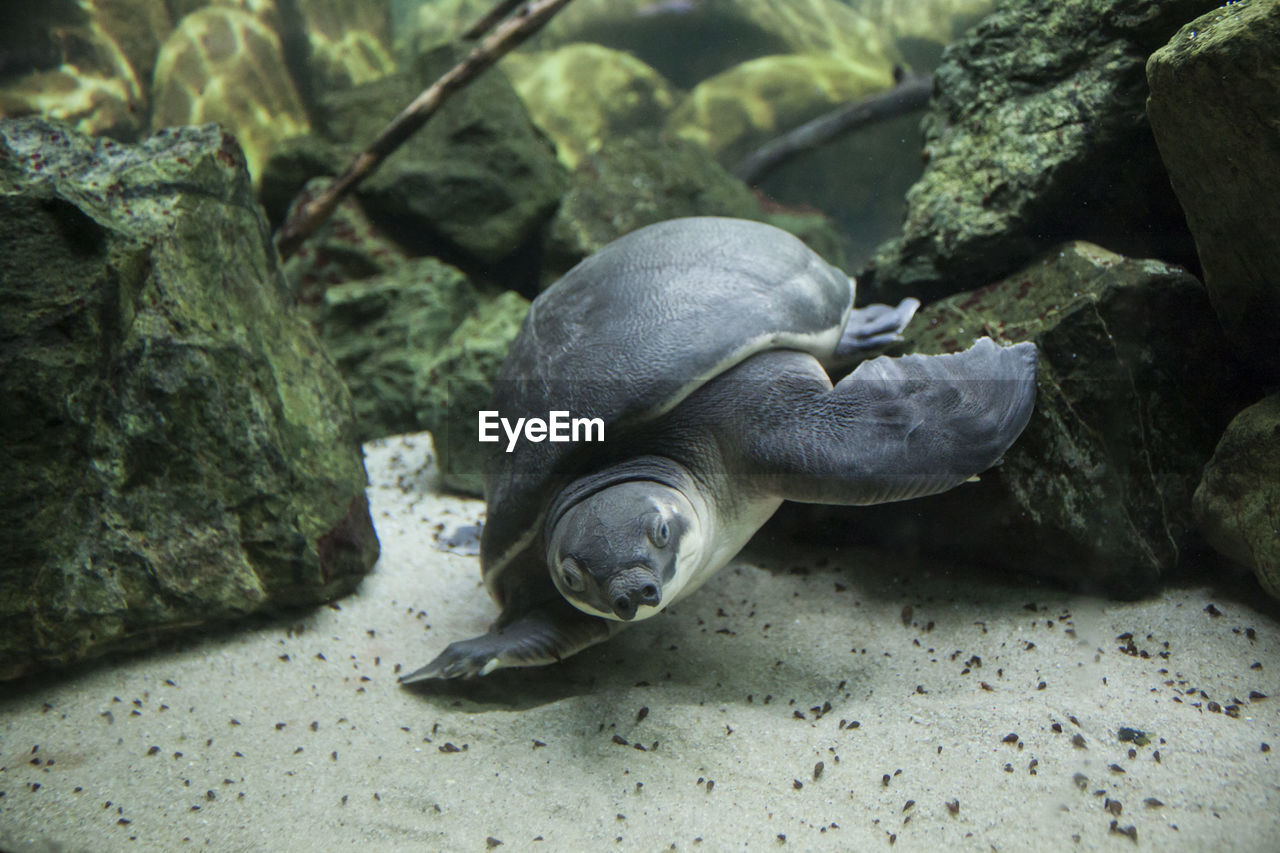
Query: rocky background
point(1100, 178)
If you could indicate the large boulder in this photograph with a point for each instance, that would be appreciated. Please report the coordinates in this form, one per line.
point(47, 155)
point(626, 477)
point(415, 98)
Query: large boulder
point(178, 449)
point(1237, 503)
point(1038, 134)
point(1133, 391)
point(475, 186)
point(633, 182)
point(1215, 110)
point(418, 345)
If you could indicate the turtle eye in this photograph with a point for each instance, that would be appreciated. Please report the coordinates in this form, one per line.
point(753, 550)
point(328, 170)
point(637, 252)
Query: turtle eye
point(659, 533)
point(571, 574)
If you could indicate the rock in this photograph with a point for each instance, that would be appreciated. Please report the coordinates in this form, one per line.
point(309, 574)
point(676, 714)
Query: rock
point(474, 186)
point(137, 27)
point(346, 43)
point(458, 383)
point(1237, 504)
point(222, 64)
point(689, 42)
point(1037, 134)
point(62, 60)
point(385, 331)
point(1215, 96)
point(739, 109)
point(584, 95)
point(346, 247)
point(291, 165)
point(179, 450)
point(1133, 391)
point(636, 181)
point(633, 182)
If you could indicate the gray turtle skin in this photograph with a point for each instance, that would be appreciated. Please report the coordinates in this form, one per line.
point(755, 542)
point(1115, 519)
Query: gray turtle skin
point(704, 345)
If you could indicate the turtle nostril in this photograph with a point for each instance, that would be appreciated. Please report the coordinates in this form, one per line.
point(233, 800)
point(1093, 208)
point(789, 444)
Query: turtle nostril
point(649, 594)
point(623, 606)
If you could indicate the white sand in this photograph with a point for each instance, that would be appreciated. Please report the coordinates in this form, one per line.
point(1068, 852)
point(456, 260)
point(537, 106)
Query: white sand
point(295, 736)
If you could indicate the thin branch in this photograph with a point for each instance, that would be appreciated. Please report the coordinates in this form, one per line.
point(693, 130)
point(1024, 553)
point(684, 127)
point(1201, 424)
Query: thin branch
point(311, 215)
point(911, 94)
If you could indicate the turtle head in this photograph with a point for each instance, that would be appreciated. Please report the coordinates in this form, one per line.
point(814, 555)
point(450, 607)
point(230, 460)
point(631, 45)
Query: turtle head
point(614, 553)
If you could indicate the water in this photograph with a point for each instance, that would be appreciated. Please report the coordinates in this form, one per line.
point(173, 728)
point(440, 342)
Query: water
point(1074, 649)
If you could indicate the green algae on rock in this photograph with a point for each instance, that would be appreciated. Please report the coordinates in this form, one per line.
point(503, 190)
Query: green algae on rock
point(1038, 134)
point(181, 451)
point(384, 332)
point(1215, 111)
point(475, 185)
point(346, 247)
point(646, 178)
point(1134, 389)
point(458, 383)
point(633, 182)
point(1237, 503)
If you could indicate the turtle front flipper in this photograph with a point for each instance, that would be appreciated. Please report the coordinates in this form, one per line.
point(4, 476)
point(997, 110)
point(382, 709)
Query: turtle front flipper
point(894, 429)
point(547, 634)
point(873, 327)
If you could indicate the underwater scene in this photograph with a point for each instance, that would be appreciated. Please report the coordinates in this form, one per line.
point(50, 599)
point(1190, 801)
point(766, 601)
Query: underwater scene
point(637, 425)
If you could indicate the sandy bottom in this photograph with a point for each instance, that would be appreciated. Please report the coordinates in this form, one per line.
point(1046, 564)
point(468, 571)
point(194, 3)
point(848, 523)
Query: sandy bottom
point(803, 699)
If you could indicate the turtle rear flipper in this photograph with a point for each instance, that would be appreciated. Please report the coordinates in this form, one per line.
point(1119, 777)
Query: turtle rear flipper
point(894, 429)
point(548, 634)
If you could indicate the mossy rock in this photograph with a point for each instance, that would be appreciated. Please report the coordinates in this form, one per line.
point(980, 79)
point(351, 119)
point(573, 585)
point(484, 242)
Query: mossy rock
point(181, 450)
point(458, 384)
point(474, 186)
point(1134, 388)
point(1037, 134)
point(1215, 98)
point(386, 331)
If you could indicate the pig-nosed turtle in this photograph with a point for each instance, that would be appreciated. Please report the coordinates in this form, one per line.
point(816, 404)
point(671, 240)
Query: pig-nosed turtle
point(700, 344)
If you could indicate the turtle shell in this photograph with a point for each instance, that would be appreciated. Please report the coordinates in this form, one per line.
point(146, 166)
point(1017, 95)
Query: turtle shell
point(629, 333)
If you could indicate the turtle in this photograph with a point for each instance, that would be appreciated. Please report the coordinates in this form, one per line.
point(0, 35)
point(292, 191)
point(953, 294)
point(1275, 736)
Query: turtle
point(703, 345)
